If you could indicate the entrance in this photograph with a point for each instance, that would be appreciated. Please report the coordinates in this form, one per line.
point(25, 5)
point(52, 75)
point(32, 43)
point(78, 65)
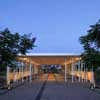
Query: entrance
point(54, 67)
point(51, 72)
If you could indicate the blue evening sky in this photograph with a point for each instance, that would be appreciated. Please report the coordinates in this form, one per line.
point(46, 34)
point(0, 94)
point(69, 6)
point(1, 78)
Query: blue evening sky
point(57, 24)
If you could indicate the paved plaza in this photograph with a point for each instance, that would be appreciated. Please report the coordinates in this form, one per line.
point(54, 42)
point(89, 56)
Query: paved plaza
point(51, 90)
point(61, 91)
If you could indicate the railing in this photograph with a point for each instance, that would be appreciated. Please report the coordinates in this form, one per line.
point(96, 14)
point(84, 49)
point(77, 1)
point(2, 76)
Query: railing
point(84, 75)
point(17, 75)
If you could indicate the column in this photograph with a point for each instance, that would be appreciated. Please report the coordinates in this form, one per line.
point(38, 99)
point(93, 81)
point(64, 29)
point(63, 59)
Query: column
point(30, 72)
point(82, 71)
point(35, 71)
point(14, 72)
point(27, 71)
point(8, 77)
point(22, 72)
point(79, 79)
point(72, 70)
point(19, 74)
point(75, 72)
point(92, 80)
point(86, 75)
point(65, 70)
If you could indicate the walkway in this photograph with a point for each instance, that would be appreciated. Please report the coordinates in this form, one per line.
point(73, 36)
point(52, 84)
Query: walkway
point(51, 90)
point(61, 91)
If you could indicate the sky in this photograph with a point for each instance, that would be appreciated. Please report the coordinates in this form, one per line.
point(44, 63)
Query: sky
point(56, 24)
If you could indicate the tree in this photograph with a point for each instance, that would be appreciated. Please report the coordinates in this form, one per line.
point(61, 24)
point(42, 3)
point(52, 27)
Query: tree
point(91, 45)
point(12, 44)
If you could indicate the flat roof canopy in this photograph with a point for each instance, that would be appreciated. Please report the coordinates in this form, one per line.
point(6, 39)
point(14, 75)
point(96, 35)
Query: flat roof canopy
point(50, 58)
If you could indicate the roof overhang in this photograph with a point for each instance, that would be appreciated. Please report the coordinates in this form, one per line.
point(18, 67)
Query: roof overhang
point(52, 54)
point(50, 58)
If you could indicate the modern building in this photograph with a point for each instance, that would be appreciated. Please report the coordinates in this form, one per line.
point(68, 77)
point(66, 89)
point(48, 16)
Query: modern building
point(73, 68)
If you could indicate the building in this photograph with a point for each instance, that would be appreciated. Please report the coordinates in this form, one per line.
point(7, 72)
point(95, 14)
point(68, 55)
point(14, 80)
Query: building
point(72, 67)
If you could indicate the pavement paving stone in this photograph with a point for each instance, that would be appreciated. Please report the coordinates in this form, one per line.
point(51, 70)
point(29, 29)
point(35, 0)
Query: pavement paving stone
point(52, 90)
point(25, 92)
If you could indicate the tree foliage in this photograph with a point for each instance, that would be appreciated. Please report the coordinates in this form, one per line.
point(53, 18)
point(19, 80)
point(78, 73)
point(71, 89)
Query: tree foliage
point(12, 44)
point(91, 45)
